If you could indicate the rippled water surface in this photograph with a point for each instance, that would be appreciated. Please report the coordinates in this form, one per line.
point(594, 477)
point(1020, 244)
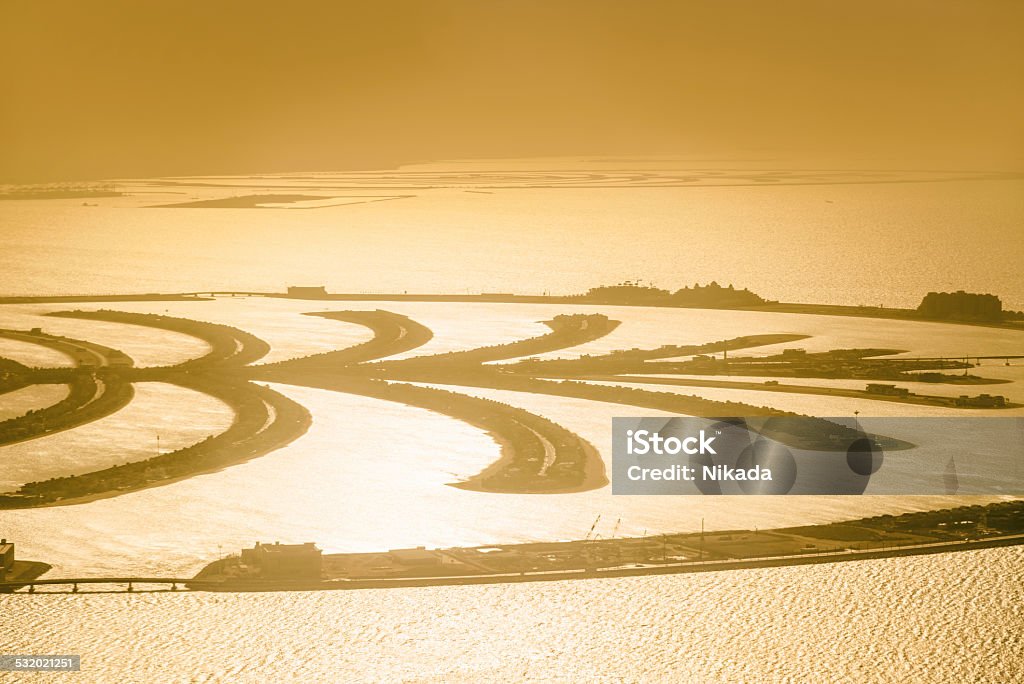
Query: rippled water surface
point(943, 618)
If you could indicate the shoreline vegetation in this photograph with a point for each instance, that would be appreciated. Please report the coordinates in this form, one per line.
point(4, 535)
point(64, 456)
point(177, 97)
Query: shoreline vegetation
point(941, 531)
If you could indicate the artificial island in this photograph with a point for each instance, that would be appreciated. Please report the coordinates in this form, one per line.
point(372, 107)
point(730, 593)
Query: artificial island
point(537, 455)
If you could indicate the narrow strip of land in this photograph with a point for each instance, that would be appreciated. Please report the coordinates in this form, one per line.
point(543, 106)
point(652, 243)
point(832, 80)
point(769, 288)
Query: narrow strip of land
point(264, 421)
point(809, 432)
point(510, 298)
point(90, 397)
point(943, 531)
point(392, 334)
point(966, 528)
point(82, 353)
point(773, 386)
point(228, 346)
point(567, 330)
point(538, 456)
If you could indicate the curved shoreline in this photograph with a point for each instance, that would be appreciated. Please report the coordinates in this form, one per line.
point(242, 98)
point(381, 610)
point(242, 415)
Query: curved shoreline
point(679, 404)
point(392, 334)
point(594, 472)
point(228, 346)
point(89, 399)
point(537, 455)
point(523, 436)
point(567, 330)
point(248, 437)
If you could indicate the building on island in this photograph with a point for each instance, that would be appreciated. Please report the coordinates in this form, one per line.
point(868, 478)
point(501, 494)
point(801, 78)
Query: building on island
point(981, 401)
point(285, 561)
point(318, 292)
point(417, 557)
point(888, 390)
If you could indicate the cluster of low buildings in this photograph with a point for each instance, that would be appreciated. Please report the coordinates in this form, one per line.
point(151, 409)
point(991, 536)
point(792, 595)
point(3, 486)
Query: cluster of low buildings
point(887, 390)
point(981, 401)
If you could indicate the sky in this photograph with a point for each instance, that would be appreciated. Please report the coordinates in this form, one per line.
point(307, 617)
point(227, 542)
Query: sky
point(115, 89)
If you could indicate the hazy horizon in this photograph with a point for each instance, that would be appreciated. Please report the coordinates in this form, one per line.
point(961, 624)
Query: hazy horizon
point(121, 89)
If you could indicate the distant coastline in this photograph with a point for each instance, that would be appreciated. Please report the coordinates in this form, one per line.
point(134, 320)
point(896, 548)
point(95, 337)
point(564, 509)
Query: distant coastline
point(1015, 321)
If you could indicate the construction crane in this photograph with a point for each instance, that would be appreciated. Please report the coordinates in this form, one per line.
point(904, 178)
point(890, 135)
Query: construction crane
point(591, 532)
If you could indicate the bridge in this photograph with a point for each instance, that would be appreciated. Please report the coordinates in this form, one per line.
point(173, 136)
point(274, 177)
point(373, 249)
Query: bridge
point(229, 293)
point(129, 583)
